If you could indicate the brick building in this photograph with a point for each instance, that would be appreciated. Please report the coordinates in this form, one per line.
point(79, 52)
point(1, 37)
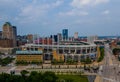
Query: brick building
point(6, 43)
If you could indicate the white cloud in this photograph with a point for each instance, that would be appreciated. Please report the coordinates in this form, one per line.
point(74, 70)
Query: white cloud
point(101, 1)
point(11, 3)
point(23, 11)
point(84, 3)
point(80, 3)
point(106, 12)
point(74, 12)
point(57, 3)
point(33, 11)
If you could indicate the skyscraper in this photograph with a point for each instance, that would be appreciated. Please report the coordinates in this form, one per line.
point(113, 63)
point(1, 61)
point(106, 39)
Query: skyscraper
point(14, 33)
point(9, 32)
point(59, 37)
point(0, 34)
point(65, 34)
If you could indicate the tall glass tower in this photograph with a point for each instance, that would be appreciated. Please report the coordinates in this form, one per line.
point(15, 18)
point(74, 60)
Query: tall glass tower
point(65, 34)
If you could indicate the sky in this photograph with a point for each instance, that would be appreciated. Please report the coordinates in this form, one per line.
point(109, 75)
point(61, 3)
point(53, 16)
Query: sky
point(46, 17)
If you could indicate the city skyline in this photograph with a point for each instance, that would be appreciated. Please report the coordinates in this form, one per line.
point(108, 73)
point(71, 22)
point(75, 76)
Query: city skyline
point(43, 17)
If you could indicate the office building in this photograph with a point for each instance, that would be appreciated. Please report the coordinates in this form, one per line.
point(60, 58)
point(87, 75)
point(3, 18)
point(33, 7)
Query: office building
point(65, 34)
point(91, 39)
point(9, 32)
point(46, 40)
point(21, 40)
point(30, 38)
point(55, 38)
point(6, 43)
point(0, 34)
point(59, 35)
point(76, 35)
point(14, 33)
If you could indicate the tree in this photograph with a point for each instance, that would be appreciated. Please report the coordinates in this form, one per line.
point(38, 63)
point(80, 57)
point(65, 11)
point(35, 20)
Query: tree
point(88, 60)
point(69, 80)
point(24, 72)
point(69, 61)
point(35, 77)
point(6, 61)
point(54, 61)
point(84, 66)
point(49, 77)
point(118, 43)
point(116, 51)
point(101, 55)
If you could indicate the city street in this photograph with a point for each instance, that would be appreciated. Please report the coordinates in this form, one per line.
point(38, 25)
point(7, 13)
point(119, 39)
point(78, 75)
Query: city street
point(111, 69)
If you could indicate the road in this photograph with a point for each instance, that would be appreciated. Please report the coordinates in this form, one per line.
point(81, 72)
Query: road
point(111, 69)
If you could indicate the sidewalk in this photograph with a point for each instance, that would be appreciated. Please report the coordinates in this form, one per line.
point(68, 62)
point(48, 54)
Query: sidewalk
point(98, 79)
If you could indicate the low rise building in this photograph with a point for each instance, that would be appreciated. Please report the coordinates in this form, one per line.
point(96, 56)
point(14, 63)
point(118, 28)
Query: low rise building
point(6, 50)
point(29, 55)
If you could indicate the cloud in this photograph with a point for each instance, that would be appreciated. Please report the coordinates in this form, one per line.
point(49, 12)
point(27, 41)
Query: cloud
point(57, 3)
point(101, 1)
point(11, 4)
point(80, 3)
point(84, 3)
point(9, 9)
point(33, 11)
point(106, 12)
point(74, 12)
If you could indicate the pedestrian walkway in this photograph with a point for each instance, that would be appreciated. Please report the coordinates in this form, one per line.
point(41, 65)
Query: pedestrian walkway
point(98, 79)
